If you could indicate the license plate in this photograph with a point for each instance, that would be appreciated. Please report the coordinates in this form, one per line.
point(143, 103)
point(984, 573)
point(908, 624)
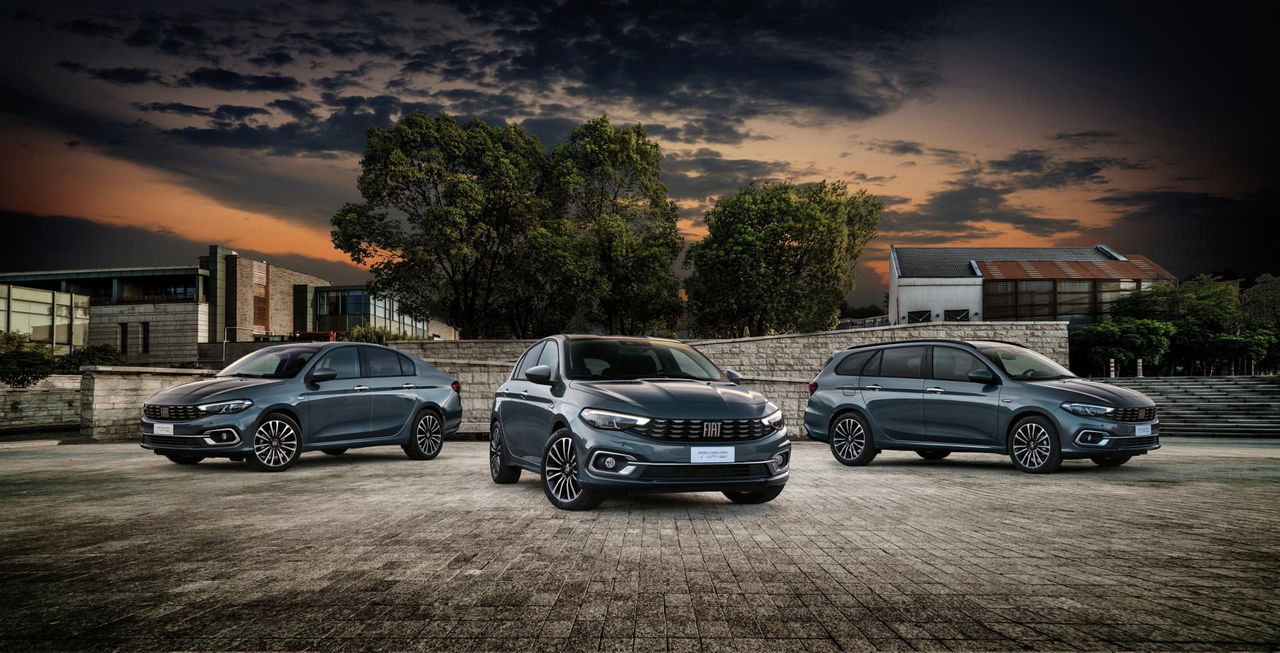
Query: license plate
point(162, 429)
point(711, 454)
point(1142, 429)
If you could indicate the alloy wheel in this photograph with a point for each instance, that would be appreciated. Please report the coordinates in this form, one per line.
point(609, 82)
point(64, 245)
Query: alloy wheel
point(495, 451)
point(275, 443)
point(850, 439)
point(429, 434)
point(561, 475)
point(1031, 445)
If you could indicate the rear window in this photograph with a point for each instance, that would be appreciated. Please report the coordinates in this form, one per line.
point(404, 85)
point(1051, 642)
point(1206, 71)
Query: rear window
point(407, 367)
point(852, 364)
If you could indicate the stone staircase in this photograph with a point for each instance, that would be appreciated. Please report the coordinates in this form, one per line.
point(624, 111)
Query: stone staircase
point(1212, 406)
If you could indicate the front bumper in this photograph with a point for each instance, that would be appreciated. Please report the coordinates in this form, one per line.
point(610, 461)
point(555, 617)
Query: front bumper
point(1084, 437)
point(644, 464)
point(213, 435)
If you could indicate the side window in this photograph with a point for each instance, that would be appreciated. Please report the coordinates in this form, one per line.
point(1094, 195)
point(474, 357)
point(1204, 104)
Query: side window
point(872, 368)
point(344, 360)
point(381, 362)
point(852, 364)
point(529, 359)
point(902, 362)
point(407, 368)
point(550, 357)
point(950, 364)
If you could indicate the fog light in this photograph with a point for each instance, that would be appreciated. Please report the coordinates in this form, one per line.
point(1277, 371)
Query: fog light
point(779, 460)
point(609, 462)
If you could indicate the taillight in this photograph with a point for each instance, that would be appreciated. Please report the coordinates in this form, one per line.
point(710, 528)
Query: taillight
point(457, 387)
point(813, 386)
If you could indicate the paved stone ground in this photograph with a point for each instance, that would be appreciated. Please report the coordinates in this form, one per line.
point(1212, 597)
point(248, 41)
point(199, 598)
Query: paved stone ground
point(107, 546)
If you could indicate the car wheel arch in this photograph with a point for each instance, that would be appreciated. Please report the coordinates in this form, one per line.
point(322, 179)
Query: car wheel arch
point(1026, 411)
point(845, 410)
point(287, 411)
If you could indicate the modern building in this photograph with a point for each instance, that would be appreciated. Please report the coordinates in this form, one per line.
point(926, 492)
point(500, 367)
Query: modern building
point(58, 319)
point(160, 315)
point(961, 284)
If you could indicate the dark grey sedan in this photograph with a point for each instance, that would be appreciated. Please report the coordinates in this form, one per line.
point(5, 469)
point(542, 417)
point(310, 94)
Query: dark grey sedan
point(274, 404)
point(599, 414)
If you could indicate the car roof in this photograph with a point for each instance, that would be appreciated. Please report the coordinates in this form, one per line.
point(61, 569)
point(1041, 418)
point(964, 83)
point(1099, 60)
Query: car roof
point(594, 336)
point(936, 341)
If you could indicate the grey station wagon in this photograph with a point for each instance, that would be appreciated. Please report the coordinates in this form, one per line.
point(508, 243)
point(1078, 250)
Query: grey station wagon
point(600, 414)
point(274, 404)
point(936, 397)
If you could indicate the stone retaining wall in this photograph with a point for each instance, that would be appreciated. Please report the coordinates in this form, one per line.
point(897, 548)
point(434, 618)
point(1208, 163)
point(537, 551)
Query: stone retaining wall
point(53, 403)
point(111, 397)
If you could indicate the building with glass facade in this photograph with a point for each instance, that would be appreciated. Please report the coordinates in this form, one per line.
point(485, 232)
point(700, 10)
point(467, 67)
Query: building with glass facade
point(340, 309)
point(1073, 284)
point(58, 319)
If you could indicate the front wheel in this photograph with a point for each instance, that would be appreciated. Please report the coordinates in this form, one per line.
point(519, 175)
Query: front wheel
point(763, 495)
point(850, 440)
point(276, 444)
point(560, 468)
point(428, 437)
point(184, 460)
point(1110, 461)
point(1033, 446)
point(499, 470)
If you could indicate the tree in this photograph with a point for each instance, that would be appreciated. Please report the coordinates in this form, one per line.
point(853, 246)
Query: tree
point(447, 210)
point(23, 368)
point(612, 193)
point(1126, 340)
point(1261, 303)
point(778, 257)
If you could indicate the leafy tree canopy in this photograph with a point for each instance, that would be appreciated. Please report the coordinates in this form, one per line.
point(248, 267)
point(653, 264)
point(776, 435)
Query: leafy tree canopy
point(1126, 340)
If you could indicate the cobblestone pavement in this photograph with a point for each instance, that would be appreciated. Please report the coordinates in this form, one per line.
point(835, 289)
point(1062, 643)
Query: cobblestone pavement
point(107, 546)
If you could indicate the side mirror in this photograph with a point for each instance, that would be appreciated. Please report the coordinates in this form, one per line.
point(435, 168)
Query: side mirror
point(323, 374)
point(539, 374)
point(983, 376)
point(734, 377)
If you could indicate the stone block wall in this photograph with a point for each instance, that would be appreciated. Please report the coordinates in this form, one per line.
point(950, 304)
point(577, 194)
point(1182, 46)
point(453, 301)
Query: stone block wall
point(50, 404)
point(465, 350)
point(175, 330)
point(111, 397)
point(479, 380)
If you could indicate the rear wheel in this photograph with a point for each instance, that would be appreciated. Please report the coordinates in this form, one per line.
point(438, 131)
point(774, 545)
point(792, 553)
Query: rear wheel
point(1111, 461)
point(762, 495)
point(428, 437)
point(933, 454)
point(499, 470)
point(560, 468)
point(335, 452)
point(1033, 446)
point(184, 460)
point(276, 444)
point(851, 441)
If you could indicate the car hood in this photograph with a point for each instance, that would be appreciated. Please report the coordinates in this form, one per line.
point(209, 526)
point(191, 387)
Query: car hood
point(675, 398)
point(217, 388)
point(1094, 392)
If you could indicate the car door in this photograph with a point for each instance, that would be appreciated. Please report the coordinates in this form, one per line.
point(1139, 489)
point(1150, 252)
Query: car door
point(338, 409)
point(957, 410)
point(892, 386)
point(539, 401)
point(511, 406)
point(392, 395)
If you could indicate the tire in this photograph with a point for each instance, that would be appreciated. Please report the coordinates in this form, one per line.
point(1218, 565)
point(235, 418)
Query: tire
point(560, 483)
point(427, 436)
point(1033, 446)
point(499, 470)
point(851, 441)
point(1111, 461)
point(335, 452)
point(933, 454)
point(762, 495)
point(184, 460)
point(276, 444)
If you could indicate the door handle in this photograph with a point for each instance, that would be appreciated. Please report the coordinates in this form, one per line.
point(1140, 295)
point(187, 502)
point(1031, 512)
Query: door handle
point(360, 388)
point(408, 386)
point(872, 387)
point(934, 390)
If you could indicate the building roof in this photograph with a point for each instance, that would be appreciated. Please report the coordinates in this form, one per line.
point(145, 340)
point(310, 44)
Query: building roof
point(97, 273)
point(1098, 262)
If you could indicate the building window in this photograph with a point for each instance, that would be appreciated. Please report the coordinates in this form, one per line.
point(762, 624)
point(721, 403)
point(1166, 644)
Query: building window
point(1075, 299)
point(146, 337)
point(1110, 291)
point(956, 315)
point(124, 338)
point(999, 300)
point(916, 317)
point(1035, 300)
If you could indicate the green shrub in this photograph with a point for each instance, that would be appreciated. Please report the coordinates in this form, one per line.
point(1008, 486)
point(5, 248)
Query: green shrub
point(376, 335)
point(91, 355)
point(24, 368)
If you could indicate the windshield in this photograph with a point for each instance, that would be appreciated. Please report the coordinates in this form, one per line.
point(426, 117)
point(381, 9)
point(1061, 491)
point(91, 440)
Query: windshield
point(1024, 364)
point(605, 359)
point(283, 363)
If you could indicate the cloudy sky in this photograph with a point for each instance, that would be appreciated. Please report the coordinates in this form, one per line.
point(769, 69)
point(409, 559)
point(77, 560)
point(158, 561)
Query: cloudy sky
point(138, 133)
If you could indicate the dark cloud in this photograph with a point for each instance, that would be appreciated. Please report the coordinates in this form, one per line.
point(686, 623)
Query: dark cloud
point(171, 107)
point(121, 75)
point(87, 27)
point(896, 147)
point(1034, 169)
point(1085, 138)
point(955, 212)
point(864, 178)
point(707, 129)
point(271, 58)
point(550, 130)
point(223, 112)
point(705, 174)
point(229, 80)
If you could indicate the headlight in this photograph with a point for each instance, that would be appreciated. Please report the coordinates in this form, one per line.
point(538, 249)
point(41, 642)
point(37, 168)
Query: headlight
point(773, 419)
point(225, 407)
point(603, 419)
point(1088, 410)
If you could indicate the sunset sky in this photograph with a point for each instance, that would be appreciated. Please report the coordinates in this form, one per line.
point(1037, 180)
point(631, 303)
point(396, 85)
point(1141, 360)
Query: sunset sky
point(139, 133)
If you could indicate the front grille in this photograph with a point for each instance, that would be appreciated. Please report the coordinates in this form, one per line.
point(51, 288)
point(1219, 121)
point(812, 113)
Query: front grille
point(171, 413)
point(694, 429)
point(1146, 414)
point(172, 441)
point(1128, 443)
point(696, 472)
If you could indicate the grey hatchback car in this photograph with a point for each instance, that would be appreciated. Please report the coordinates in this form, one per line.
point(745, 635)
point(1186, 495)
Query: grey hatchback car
point(937, 397)
point(272, 405)
point(600, 414)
